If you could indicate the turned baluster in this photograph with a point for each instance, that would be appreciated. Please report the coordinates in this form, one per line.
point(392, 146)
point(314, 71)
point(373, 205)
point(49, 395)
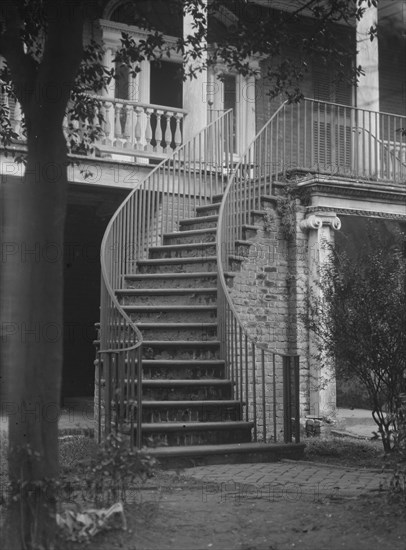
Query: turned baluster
point(138, 127)
point(178, 133)
point(117, 125)
point(167, 137)
point(107, 127)
point(148, 131)
point(158, 132)
point(127, 134)
point(17, 119)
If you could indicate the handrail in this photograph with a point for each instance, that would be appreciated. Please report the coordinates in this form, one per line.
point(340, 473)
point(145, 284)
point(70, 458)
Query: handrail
point(192, 175)
point(385, 145)
point(245, 357)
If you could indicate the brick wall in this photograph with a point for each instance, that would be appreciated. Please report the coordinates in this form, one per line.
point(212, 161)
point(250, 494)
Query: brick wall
point(269, 294)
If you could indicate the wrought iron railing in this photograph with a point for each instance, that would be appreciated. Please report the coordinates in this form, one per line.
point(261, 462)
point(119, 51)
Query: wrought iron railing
point(192, 175)
point(329, 138)
point(266, 381)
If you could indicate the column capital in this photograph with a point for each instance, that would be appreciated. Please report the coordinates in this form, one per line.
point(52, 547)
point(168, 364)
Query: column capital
point(318, 220)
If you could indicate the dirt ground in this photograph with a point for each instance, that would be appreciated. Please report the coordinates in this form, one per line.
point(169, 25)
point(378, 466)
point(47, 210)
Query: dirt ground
point(187, 516)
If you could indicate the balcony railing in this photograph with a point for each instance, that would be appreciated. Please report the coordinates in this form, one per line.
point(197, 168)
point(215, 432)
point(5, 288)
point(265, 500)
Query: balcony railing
point(129, 130)
point(329, 138)
point(135, 129)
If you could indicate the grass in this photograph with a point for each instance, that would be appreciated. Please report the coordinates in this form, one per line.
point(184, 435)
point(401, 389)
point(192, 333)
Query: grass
point(346, 452)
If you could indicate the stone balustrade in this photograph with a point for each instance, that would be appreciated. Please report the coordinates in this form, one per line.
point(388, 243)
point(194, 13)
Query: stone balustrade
point(138, 129)
point(127, 128)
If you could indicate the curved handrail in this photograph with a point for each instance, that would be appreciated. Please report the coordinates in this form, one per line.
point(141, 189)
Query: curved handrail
point(250, 363)
point(222, 255)
point(190, 176)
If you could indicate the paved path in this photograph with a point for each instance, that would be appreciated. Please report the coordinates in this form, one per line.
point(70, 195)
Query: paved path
point(290, 480)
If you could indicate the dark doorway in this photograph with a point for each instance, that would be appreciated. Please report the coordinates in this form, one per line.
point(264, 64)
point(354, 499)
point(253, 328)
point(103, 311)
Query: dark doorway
point(89, 211)
point(166, 84)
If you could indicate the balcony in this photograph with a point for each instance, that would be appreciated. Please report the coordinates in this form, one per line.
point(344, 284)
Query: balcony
point(327, 138)
point(127, 130)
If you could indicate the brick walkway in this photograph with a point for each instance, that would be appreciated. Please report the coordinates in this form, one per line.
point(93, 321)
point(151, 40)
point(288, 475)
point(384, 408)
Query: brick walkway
point(289, 480)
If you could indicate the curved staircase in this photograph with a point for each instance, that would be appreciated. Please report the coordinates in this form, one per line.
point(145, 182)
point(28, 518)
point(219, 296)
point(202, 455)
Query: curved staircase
point(165, 377)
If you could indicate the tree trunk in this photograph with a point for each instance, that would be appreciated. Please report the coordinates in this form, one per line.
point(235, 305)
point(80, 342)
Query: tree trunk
point(34, 272)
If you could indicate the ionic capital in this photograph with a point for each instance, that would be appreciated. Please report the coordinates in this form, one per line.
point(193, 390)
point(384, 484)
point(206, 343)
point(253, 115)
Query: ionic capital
point(316, 221)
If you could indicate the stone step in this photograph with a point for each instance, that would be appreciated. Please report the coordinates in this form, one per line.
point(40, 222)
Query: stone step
point(167, 296)
point(187, 250)
point(234, 453)
point(181, 349)
point(205, 235)
point(175, 280)
point(202, 222)
point(178, 265)
point(208, 210)
point(194, 433)
point(183, 369)
point(178, 331)
point(189, 390)
point(191, 411)
point(172, 314)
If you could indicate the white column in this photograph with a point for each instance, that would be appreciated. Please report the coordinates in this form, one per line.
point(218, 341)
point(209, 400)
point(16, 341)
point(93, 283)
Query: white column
point(194, 90)
point(110, 92)
point(367, 56)
point(245, 115)
point(321, 227)
point(109, 63)
point(368, 95)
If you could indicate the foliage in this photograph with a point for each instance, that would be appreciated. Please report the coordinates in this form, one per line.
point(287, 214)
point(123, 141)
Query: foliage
point(344, 451)
point(398, 481)
point(287, 206)
point(111, 473)
point(358, 315)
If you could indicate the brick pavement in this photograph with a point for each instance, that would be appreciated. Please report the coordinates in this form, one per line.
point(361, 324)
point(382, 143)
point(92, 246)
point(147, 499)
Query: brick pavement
point(290, 480)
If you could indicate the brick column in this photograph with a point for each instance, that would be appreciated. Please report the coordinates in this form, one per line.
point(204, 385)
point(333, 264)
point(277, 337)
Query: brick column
point(320, 227)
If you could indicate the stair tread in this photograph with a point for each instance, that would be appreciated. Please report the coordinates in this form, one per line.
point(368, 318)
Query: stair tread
point(223, 448)
point(181, 342)
point(176, 325)
point(174, 426)
point(182, 246)
point(190, 403)
point(168, 307)
point(200, 219)
point(177, 260)
point(201, 231)
point(185, 382)
point(177, 290)
point(183, 362)
point(142, 276)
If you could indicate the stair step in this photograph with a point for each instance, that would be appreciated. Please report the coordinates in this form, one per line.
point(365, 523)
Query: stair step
point(173, 313)
point(191, 236)
point(187, 250)
point(189, 390)
point(194, 433)
point(208, 209)
point(201, 222)
point(181, 349)
point(191, 411)
point(201, 279)
point(177, 331)
point(177, 265)
point(184, 370)
point(237, 453)
point(168, 296)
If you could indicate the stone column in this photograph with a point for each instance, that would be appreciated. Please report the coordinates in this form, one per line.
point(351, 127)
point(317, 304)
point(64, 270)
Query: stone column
point(367, 93)
point(194, 90)
point(321, 227)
